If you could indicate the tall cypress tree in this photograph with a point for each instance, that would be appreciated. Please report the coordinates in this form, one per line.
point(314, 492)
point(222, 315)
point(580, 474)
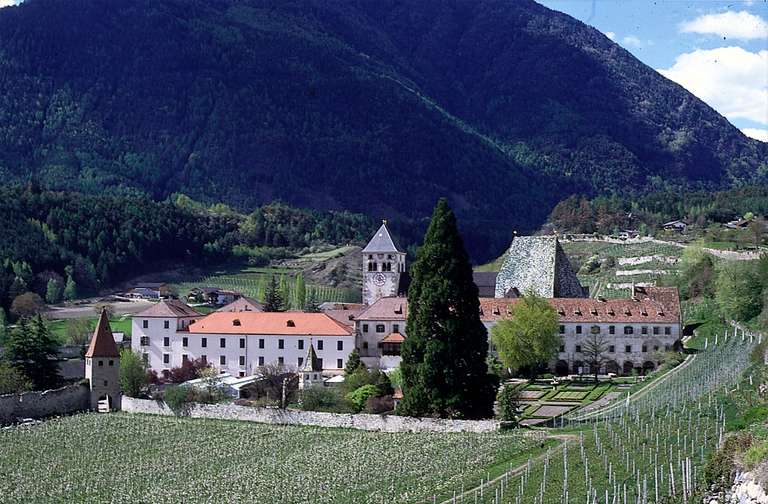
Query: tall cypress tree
point(444, 355)
point(273, 299)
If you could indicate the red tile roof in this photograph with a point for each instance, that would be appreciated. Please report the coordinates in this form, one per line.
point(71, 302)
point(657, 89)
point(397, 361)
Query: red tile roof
point(102, 342)
point(346, 317)
point(393, 338)
point(172, 308)
point(386, 308)
point(277, 323)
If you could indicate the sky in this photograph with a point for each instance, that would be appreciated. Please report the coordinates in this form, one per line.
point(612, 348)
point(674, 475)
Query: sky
point(717, 50)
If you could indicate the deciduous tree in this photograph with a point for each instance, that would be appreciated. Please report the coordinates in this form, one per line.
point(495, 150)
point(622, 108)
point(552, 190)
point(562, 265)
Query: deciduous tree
point(133, 373)
point(529, 337)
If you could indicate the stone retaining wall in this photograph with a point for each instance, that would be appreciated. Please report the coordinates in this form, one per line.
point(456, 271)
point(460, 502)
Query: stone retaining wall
point(61, 401)
point(383, 423)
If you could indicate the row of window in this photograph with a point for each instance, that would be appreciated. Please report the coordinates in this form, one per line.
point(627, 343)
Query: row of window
point(628, 329)
point(380, 328)
point(241, 360)
point(144, 341)
point(627, 348)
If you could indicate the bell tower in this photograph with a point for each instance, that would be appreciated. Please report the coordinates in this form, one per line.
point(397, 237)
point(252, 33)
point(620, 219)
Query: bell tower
point(383, 266)
point(102, 368)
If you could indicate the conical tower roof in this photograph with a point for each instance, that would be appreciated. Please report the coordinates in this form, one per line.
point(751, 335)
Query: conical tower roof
point(311, 365)
point(381, 241)
point(102, 342)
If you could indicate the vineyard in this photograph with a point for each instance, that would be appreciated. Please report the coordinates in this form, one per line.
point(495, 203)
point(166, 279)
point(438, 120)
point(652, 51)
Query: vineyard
point(650, 449)
point(253, 282)
point(140, 458)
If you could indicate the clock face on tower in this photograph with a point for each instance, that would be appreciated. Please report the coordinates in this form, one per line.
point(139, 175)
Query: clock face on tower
point(379, 279)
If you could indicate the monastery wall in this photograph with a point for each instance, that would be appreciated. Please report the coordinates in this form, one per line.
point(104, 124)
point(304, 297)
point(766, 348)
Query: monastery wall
point(60, 401)
point(383, 423)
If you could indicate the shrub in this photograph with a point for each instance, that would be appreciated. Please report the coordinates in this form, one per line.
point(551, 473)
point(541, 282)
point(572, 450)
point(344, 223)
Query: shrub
point(509, 404)
point(756, 454)
point(177, 398)
point(361, 395)
point(320, 398)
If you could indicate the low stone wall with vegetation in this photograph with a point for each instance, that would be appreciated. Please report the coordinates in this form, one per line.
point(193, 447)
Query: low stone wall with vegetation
point(60, 401)
point(383, 423)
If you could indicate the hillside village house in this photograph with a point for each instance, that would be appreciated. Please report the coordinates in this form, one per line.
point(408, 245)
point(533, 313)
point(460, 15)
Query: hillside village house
point(238, 342)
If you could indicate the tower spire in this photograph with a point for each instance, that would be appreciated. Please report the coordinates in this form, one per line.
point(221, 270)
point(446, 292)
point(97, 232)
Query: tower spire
point(102, 341)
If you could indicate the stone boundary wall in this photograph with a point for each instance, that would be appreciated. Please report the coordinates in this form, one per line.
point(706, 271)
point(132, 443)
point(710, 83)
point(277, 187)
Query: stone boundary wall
point(60, 401)
point(382, 423)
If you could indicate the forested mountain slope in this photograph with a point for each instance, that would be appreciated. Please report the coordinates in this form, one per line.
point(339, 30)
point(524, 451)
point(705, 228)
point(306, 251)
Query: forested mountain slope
point(380, 107)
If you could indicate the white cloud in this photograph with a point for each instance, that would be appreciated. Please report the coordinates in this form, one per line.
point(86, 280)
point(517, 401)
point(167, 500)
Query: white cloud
point(632, 41)
point(739, 25)
point(759, 134)
point(611, 35)
point(8, 3)
point(731, 80)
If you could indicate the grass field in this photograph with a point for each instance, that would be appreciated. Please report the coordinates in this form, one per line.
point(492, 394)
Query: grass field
point(58, 327)
point(118, 457)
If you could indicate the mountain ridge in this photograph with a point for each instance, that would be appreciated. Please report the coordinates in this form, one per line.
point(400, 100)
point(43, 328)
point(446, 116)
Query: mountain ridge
point(379, 107)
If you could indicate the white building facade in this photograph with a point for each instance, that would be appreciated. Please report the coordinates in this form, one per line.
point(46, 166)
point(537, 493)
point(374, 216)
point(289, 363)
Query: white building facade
point(240, 342)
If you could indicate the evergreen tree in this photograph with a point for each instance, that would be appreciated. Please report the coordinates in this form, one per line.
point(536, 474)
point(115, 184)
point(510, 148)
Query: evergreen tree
point(312, 306)
point(3, 326)
point(285, 293)
point(32, 350)
point(17, 288)
point(444, 356)
point(273, 299)
point(353, 362)
point(70, 290)
point(301, 292)
point(53, 291)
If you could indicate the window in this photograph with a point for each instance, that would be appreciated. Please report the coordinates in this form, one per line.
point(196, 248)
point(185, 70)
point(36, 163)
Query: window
point(595, 329)
point(644, 330)
point(242, 342)
point(628, 329)
point(204, 342)
point(242, 360)
point(106, 383)
point(101, 363)
point(365, 327)
point(644, 348)
point(320, 362)
point(561, 329)
point(166, 358)
point(562, 348)
point(611, 348)
point(166, 324)
point(300, 361)
point(578, 329)
point(667, 331)
point(223, 342)
point(223, 360)
point(655, 330)
point(184, 358)
point(628, 349)
point(365, 345)
point(261, 343)
point(301, 344)
point(340, 345)
point(241, 374)
point(666, 348)
point(655, 348)
point(144, 341)
point(380, 328)
point(185, 341)
point(396, 328)
point(204, 358)
point(145, 324)
point(280, 344)
point(319, 344)
point(166, 341)
point(261, 361)
point(578, 348)
point(111, 363)
point(280, 361)
point(339, 363)
point(612, 329)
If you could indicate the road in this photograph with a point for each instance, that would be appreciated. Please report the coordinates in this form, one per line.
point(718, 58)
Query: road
point(87, 310)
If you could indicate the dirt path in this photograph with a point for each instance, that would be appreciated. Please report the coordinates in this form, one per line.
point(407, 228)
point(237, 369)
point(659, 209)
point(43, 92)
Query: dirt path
point(564, 438)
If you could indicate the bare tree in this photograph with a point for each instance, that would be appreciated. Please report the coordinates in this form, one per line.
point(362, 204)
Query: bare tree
point(98, 307)
point(79, 331)
point(595, 350)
